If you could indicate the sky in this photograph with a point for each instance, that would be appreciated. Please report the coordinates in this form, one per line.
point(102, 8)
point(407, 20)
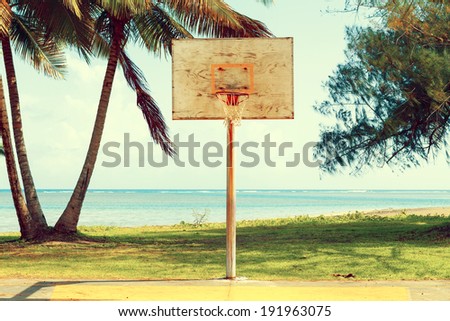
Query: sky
point(58, 116)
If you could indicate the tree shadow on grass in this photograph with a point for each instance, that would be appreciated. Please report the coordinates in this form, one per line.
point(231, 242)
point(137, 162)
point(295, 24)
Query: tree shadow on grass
point(369, 229)
point(286, 251)
point(295, 250)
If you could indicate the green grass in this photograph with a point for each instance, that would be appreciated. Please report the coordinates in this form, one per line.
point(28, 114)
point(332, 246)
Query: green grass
point(302, 248)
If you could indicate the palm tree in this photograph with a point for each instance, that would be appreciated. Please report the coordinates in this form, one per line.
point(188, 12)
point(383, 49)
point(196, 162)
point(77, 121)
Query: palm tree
point(22, 24)
point(17, 27)
point(25, 221)
point(30, 190)
point(154, 24)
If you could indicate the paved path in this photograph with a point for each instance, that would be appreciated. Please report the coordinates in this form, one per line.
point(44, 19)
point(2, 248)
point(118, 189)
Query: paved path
point(224, 290)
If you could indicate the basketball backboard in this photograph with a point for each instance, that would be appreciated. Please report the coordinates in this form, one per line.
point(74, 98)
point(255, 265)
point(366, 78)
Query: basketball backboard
point(261, 68)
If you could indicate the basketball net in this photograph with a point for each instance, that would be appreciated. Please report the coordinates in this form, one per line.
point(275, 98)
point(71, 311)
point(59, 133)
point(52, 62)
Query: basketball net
point(233, 105)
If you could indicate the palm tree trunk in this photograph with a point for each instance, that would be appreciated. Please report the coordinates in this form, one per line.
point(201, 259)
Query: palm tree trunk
point(25, 222)
point(68, 221)
point(31, 196)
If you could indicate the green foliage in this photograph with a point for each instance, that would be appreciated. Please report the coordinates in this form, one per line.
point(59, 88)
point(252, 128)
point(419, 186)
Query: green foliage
point(300, 248)
point(32, 40)
point(391, 97)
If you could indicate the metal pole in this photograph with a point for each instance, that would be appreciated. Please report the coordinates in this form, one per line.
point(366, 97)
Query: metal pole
point(231, 206)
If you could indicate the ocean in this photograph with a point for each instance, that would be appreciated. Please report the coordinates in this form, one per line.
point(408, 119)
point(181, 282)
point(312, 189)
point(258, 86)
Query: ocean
point(167, 207)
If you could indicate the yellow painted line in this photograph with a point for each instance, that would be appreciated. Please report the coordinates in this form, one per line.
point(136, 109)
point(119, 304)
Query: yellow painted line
point(227, 293)
point(140, 293)
point(353, 293)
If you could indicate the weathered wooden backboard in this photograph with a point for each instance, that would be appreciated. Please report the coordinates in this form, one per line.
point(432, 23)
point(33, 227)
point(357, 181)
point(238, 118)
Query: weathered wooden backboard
point(259, 67)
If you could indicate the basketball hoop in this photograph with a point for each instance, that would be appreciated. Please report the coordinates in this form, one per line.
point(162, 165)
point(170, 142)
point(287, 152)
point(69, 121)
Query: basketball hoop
point(233, 104)
point(226, 71)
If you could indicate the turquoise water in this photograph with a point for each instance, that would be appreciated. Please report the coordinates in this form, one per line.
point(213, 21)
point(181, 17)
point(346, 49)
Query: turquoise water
point(161, 207)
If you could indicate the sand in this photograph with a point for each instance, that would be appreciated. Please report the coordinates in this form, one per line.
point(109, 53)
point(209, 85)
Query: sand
point(410, 211)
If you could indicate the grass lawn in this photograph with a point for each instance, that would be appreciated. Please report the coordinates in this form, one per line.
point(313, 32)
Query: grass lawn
point(401, 247)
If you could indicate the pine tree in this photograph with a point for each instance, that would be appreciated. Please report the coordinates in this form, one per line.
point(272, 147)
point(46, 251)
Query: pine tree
point(391, 97)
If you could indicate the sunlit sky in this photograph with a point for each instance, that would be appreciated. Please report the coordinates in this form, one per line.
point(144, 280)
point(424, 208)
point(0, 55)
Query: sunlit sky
point(58, 116)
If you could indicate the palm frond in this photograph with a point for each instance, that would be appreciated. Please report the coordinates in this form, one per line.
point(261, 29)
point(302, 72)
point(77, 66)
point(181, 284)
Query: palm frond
point(207, 17)
point(191, 12)
point(5, 18)
point(74, 6)
point(104, 27)
point(150, 110)
point(123, 9)
point(158, 29)
point(108, 27)
point(45, 55)
point(102, 40)
point(214, 18)
point(67, 21)
point(100, 46)
point(251, 28)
